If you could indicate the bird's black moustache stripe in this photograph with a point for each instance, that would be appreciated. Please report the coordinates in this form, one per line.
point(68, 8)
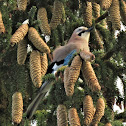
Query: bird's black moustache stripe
point(81, 33)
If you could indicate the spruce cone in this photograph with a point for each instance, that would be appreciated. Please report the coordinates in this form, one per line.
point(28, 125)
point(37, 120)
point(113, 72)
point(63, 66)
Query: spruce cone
point(22, 4)
point(22, 52)
point(105, 4)
point(88, 110)
point(73, 74)
point(73, 117)
point(108, 124)
point(44, 26)
point(63, 19)
point(35, 68)
point(123, 11)
point(115, 14)
point(98, 39)
point(62, 116)
point(96, 8)
point(19, 34)
point(2, 28)
point(88, 14)
point(37, 41)
point(100, 106)
point(17, 107)
point(90, 77)
point(44, 63)
point(57, 14)
point(66, 81)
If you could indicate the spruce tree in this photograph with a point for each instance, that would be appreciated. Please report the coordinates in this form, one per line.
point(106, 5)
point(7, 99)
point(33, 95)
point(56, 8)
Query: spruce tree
point(51, 23)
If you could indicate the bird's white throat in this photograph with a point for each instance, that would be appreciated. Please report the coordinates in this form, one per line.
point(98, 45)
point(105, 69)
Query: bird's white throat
point(86, 36)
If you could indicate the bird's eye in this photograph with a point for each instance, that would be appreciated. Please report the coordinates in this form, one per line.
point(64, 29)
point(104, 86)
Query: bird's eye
point(79, 29)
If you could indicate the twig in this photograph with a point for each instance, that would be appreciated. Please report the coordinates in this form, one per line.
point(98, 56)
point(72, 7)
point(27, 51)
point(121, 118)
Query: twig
point(101, 17)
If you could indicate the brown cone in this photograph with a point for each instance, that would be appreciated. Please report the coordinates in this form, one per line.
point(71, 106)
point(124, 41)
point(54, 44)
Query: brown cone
point(108, 124)
point(22, 4)
point(90, 77)
point(105, 4)
point(35, 68)
point(114, 11)
point(88, 14)
point(44, 26)
point(74, 72)
point(19, 34)
point(73, 117)
point(2, 28)
point(17, 107)
point(123, 11)
point(57, 14)
point(88, 110)
point(96, 9)
point(37, 41)
point(100, 106)
point(22, 52)
point(44, 63)
point(62, 116)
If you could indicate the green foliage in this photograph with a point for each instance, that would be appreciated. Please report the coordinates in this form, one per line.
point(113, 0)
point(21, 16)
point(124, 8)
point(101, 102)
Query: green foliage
point(117, 123)
point(40, 116)
point(109, 64)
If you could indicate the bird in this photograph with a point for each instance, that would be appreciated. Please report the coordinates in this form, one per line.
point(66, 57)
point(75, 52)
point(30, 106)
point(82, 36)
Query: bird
point(78, 43)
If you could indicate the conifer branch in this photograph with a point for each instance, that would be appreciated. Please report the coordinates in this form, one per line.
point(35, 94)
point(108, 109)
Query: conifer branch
point(109, 54)
point(101, 17)
point(118, 69)
point(121, 116)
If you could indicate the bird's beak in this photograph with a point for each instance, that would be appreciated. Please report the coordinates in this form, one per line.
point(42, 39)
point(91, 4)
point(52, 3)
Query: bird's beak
point(89, 29)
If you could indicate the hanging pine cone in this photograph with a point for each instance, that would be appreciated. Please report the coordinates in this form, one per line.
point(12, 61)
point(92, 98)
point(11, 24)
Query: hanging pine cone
point(2, 28)
point(57, 14)
point(96, 9)
point(22, 51)
point(98, 39)
point(115, 14)
point(44, 63)
point(73, 117)
point(100, 106)
point(19, 34)
point(66, 81)
point(90, 77)
point(62, 116)
point(44, 26)
point(22, 4)
point(37, 41)
point(123, 11)
point(108, 124)
point(89, 110)
point(17, 107)
point(105, 4)
point(73, 75)
point(63, 19)
point(88, 14)
point(35, 68)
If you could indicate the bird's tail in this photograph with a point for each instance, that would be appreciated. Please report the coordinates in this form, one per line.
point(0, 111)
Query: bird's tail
point(34, 104)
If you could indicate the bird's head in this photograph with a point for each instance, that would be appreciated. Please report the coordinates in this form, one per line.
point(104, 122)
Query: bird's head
point(83, 32)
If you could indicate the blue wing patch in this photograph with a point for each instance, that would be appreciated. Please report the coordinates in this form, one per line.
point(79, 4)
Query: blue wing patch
point(68, 57)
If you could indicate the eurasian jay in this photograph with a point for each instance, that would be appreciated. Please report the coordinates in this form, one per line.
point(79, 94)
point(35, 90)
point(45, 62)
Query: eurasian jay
point(78, 43)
